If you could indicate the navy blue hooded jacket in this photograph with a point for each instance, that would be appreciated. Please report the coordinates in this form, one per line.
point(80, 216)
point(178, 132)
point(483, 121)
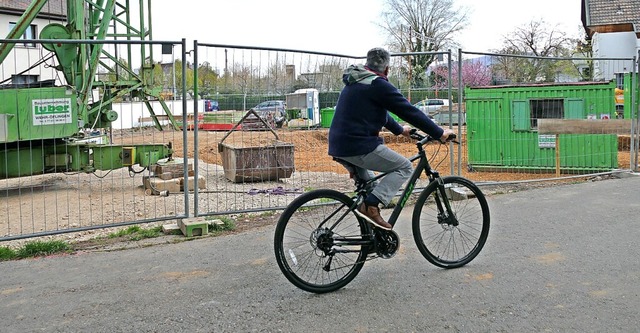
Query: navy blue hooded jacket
point(361, 113)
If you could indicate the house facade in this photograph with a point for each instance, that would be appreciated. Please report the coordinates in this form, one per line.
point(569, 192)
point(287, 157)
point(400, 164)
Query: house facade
point(29, 62)
point(614, 30)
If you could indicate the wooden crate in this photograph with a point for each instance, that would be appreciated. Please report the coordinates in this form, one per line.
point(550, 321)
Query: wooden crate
point(255, 162)
point(258, 163)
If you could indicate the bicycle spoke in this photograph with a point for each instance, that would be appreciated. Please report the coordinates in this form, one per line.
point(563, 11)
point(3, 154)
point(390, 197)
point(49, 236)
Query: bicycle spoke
point(322, 233)
point(457, 239)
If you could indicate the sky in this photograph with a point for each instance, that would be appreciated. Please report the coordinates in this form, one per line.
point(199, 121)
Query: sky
point(346, 27)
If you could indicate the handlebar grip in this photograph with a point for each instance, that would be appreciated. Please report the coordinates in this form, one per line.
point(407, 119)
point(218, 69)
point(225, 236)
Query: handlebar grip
point(426, 138)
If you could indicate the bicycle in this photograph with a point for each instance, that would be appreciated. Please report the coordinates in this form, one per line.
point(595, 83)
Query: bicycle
point(321, 244)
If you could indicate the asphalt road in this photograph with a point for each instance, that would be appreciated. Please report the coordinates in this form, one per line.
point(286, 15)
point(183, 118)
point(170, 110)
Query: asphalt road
point(559, 259)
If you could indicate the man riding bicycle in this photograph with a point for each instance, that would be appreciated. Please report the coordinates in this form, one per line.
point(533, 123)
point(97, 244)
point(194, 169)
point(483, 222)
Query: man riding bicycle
point(361, 112)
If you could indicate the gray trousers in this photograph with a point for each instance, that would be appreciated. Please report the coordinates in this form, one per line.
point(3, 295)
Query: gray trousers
point(383, 159)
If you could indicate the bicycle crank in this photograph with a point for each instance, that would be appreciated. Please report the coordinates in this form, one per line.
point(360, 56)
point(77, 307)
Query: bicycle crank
point(386, 243)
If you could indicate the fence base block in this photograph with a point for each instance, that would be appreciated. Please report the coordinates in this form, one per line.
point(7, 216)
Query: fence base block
point(195, 226)
point(170, 228)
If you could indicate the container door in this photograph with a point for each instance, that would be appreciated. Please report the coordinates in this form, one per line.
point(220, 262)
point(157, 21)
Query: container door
point(574, 109)
point(485, 121)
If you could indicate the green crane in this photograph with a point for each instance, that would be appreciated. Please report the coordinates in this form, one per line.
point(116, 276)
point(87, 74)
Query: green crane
point(41, 127)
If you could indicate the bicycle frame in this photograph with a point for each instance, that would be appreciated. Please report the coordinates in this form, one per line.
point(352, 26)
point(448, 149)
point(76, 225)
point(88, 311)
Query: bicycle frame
point(322, 250)
point(423, 165)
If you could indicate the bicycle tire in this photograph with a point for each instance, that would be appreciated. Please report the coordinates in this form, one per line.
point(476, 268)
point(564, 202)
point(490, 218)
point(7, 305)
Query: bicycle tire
point(299, 241)
point(444, 244)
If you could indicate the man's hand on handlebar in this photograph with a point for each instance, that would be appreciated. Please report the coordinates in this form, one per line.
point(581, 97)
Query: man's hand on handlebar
point(448, 135)
point(407, 130)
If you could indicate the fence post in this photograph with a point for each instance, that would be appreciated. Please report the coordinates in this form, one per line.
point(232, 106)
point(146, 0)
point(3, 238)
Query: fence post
point(557, 155)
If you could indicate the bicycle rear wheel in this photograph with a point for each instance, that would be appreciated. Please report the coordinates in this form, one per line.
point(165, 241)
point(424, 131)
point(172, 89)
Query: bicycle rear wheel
point(320, 244)
point(451, 241)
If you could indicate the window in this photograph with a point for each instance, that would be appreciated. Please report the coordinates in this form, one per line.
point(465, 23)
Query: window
point(545, 109)
point(30, 33)
point(620, 80)
point(24, 79)
point(525, 113)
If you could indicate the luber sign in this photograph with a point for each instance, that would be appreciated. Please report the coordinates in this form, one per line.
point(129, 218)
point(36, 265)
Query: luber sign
point(51, 111)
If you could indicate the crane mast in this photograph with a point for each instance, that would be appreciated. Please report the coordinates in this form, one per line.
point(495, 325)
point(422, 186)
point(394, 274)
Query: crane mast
point(113, 37)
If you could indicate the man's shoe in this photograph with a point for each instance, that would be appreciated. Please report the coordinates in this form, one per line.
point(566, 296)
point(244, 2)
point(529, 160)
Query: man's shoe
point(372, 215)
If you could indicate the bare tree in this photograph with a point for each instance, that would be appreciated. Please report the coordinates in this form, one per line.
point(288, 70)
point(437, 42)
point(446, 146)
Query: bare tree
point(276, 78)
point(584, 49)
point(241, 78)
point(332, 71)
point(536, 41)
point(422, 26)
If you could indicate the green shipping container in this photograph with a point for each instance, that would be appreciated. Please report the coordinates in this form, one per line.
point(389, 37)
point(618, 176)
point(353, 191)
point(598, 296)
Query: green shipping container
point(502, 127)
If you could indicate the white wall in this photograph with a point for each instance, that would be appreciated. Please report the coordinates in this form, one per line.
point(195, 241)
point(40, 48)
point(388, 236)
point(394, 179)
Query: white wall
point(613, 45)
point(22, 57)
point(129, 113)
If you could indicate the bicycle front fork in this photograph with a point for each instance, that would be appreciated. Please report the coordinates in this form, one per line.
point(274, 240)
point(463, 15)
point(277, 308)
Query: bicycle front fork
point(445, 213)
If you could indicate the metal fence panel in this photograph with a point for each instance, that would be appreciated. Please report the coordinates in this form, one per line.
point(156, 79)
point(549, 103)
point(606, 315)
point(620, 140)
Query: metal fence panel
point(237, 164)
point(71, 162)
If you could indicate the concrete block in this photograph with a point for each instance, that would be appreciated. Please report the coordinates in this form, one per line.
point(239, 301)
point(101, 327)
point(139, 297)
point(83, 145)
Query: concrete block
point(165, 175)
point(457, 194)
point(170, 228)
point(217, 222)
point(194, 226)
point(201, 183)
point(154, 185)
point(176, 168)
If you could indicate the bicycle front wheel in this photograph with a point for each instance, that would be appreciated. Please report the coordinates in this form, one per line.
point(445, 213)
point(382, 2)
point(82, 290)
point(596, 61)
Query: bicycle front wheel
point(451, 237)
point(319, 243)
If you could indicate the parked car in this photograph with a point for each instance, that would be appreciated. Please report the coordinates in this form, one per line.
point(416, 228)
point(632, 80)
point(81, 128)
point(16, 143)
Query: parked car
point(429, 106)
point(211, 105)
point(443, 118)
point(272, 110)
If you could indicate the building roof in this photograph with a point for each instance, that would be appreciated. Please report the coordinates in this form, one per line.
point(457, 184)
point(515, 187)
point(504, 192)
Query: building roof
point(610, 16)
point(53, 9)
point(546, 84)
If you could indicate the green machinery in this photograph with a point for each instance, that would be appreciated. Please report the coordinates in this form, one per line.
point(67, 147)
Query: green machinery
point(43, 127)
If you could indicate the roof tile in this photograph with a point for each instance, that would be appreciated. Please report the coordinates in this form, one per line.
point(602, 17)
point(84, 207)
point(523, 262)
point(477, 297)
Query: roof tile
point(607, 12)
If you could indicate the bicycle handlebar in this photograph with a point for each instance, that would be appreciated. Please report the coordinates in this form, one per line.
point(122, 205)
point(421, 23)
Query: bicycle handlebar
point(424, 138)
